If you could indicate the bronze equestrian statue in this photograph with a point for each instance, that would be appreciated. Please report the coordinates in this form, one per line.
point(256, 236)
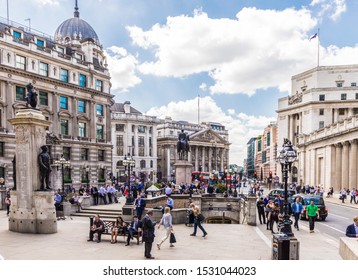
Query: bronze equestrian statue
point(183, 145)
point(31, 96)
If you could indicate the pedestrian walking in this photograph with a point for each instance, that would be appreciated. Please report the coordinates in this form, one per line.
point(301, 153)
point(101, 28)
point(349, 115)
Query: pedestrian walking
point(352, 229)
point(343, 195)
point(353, 196)
point(268, 210)
point(166, 221)
point(8, 203)
point(148, 234)
point(297, 209)
point(312, 212)
point(198, 218)
point(261, 210)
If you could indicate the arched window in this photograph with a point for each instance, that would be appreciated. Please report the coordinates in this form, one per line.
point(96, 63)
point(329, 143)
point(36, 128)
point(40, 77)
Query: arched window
point(142, 163)
point(151, 164)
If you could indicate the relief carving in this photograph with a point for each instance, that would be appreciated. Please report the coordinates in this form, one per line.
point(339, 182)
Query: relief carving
point(22, 135)
point(295, 98)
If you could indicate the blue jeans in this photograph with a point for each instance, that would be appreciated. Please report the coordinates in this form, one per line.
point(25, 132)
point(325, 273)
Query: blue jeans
point(198, 224)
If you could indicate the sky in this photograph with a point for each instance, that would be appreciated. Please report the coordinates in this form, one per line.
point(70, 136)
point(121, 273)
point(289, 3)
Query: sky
point(237, 56)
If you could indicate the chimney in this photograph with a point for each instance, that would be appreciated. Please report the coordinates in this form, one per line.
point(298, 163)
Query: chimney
point(127, 107)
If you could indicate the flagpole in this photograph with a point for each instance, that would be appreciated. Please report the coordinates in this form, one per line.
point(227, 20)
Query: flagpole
point(318, 48)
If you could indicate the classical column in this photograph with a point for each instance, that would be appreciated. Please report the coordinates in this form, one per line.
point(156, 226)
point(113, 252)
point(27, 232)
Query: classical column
point(313, 167)
point(196, 158)
point(10, 99)
point(168, 161)
point(222, 159)
point(108, 128)
point(55, 121)
point(210, 158)
point(338, 185)
point(345, 164)
point(93, 126)
point(333, 167)
point(203, 159)
point(135, 141)
point(353, 164)
point(74, 118)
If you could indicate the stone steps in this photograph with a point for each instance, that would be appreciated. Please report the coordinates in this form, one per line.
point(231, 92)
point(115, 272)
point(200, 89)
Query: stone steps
point(106, 214)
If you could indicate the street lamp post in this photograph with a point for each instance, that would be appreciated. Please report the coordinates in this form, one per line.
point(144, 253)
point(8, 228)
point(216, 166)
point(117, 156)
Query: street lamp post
point(62, 162)
point(129, 162)
point(286, 157)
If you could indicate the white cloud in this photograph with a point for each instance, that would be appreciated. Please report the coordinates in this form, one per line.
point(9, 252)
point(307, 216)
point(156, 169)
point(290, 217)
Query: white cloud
point(241, 126)
point(333, 8)
point(47, 2)
point(122, 67)
point(203, 87)
point(256, 51)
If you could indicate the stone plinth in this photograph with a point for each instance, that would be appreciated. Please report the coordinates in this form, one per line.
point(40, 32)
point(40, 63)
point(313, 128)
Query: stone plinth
point(32, 211)
point(183, 172)
point(251, 209)
point(41, 218)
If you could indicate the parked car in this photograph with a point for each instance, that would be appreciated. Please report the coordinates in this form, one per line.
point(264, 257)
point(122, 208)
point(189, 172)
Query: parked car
point(281, 192)
point(305, 199)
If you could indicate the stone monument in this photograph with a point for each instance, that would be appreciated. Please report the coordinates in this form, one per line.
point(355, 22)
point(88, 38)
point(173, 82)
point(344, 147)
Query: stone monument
point(183, 166)
point(32, 210)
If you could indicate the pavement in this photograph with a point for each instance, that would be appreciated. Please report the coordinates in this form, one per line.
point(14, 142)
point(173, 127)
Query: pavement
point(226, 242)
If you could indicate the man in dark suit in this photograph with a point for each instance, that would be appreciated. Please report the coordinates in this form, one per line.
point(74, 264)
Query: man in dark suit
point(352, 230)
point(134, 228)
point(148, 233)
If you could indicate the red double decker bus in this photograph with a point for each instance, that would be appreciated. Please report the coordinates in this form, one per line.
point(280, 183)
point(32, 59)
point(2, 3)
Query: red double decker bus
point(200, 176)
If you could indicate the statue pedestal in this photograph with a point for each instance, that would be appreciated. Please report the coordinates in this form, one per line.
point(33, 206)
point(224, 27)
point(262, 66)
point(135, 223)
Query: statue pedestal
point(183, 172)
point(32, 211)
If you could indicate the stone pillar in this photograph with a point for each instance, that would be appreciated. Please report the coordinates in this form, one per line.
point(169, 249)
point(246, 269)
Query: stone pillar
point(135, 140)
point(222, 160)
point(353, 164)
point(314, 174)
point(251, 208)
point(345, 165)
point(183, 172)
point(10, 99)
point(93, 118)
point(333, 167)
point(55, 121)
point(196, 158)
point(210, 158)
point(32, 211)
point(203, 159)
point(168, 161)
point(338, 185)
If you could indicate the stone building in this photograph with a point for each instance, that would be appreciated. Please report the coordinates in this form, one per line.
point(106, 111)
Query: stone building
point(319, 118)
point(69, 72)
point(135, 135)
point(266, 153)
point(209, 147)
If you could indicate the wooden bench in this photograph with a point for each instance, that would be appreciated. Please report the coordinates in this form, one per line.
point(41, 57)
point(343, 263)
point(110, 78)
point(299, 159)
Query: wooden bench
point(108, 225)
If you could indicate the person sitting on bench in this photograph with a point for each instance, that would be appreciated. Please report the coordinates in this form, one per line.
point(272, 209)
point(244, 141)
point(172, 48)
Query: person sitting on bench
point(97, 227)
point(134, 228)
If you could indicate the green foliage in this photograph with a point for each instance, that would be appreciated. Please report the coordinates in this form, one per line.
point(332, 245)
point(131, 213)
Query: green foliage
point(221, 187)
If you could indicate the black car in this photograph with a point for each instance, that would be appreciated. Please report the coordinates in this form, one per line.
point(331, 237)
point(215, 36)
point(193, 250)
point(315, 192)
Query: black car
point(305, 199)
point(280, 192)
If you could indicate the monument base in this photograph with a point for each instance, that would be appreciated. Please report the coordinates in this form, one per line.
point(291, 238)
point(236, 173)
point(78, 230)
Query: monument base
point(41, 218)
point(183, 172)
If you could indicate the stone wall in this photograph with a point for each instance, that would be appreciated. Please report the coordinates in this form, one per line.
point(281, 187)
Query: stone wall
point(348, 248)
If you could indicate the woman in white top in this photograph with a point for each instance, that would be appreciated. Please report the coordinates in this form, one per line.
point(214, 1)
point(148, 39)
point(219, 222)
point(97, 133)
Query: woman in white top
point(166, 221)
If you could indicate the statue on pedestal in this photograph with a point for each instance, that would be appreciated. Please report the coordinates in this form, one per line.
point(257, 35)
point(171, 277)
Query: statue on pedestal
point(31, 96)
point(45, 168)
point(183, 145)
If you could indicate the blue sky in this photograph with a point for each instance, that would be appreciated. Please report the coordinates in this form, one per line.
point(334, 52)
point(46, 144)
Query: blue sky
point(239, 56)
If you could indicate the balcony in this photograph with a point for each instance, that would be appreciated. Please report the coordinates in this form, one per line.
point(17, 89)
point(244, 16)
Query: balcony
point(101, 140)
point(83, 138)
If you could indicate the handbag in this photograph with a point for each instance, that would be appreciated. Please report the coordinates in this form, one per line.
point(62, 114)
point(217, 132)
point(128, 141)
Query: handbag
point(172, 238)
point(201, 217)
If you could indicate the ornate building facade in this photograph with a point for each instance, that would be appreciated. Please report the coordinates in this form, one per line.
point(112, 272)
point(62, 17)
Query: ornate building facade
point(134, 135)
point(209, 147)
point(320, 120)
point(70, 75)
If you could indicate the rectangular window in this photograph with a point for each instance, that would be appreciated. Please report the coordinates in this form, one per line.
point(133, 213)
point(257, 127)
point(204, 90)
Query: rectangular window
point(141, 128)
point(43, 98)
point(264, 157)
point(79, 56)
point(64, 102)
point(83, 80)
point(64, 75)
point(99, 110)
point(82, 129)
point(355, 111)
point(150, 129)
point(259, 145)
point(17, 35)
point(268, 139)
point(353, 84)
point(20, 62)
point(66, 153)
point(119, 145)
point(99, 85)
point(20, 93)
point(61, 50)
point(40, 43)
point(2, 149)
point(100, 132)
point(341, 111)
point(67, 175)
point(64, 127)
point(321, 97)
point(141, 146)
point(101, 154)
point(150, 142)
point(2, 172)
point(84, 154)
point(339, 84)
point(81, 106)
point(356, 95)
point(119, 127)
point(321, 112)
point(43, 69)
point(344, 96)
point(321, 124)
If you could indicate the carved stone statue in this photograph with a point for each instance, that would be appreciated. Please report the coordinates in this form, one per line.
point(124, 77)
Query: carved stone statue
point(14, 172)
point(31, 96)
point(183, 145)
point(45, 168)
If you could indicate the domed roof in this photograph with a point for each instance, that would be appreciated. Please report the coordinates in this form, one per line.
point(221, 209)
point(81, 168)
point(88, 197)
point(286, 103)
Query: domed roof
point(75, 29)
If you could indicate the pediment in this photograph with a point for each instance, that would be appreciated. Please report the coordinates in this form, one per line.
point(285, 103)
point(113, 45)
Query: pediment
point(207, 135)
point(65, 114)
